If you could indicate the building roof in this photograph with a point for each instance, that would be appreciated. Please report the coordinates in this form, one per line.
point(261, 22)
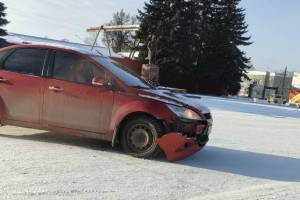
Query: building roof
point(15, 38)
point(259, 73)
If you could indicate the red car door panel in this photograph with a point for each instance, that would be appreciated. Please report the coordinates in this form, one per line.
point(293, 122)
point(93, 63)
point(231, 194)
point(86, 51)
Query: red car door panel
point(70, 99)
point(76, 106)
point(21, 96)
point(21, 85)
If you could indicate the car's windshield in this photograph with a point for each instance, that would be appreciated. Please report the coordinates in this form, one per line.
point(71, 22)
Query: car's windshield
point(127, 76)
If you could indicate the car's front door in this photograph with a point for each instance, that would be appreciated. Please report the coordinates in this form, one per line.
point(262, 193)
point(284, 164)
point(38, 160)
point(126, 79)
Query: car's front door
point(70, 99)
point(21, 85)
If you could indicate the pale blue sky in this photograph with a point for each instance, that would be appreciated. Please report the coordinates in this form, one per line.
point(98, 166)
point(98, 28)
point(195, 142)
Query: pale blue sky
point(273, 24)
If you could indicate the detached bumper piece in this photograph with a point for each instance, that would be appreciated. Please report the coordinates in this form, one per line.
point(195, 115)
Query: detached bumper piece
point(178, 147)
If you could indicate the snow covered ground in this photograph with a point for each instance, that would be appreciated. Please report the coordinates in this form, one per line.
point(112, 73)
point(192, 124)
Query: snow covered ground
point(254, 153)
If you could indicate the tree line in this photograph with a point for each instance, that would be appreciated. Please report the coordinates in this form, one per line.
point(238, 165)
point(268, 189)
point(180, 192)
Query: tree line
point(198, 43)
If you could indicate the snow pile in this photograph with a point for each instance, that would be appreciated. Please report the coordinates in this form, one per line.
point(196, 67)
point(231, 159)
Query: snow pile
point(296, 86)
point(244, 106)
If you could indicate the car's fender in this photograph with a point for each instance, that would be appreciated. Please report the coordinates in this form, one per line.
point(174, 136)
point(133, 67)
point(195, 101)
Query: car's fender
point(126, 105)
point(2, 107)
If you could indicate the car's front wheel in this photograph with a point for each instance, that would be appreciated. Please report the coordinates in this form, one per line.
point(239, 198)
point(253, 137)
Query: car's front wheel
point(139, 137)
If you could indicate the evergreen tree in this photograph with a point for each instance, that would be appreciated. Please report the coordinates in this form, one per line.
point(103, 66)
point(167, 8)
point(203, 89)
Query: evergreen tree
point(3, 22)
point(237, 62)
point(154, 15)
point(214, 47)
point(176, 54)
point(221, 63)
point(198, 42)
point(205, 45)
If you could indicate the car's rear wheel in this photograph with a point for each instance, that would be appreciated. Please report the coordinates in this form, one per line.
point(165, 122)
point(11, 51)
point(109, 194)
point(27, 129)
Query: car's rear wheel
point(139, 137)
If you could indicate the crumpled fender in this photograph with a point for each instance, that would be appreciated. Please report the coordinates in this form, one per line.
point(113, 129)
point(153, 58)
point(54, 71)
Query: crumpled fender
point(178, 147)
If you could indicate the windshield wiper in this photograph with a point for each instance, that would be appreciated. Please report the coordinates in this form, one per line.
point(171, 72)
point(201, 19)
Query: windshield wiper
point(141, 87)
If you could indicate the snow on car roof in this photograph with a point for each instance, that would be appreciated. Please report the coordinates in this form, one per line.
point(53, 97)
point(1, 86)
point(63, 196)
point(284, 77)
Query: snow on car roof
point(15, 38)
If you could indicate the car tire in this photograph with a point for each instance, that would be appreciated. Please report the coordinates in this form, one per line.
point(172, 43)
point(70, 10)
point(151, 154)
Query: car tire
point(139, 137)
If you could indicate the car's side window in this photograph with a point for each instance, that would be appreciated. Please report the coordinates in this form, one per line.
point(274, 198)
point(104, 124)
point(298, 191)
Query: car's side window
point(26, 61)
point(3, 54)
point(70, 67)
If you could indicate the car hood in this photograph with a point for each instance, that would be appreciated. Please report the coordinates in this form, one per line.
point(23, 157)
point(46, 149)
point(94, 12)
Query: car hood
point(175, 97)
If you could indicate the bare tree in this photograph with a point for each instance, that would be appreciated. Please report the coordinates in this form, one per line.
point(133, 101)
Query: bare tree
point(119, 41)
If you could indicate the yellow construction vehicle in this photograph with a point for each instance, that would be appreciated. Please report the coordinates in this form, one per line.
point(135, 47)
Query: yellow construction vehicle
point(295, 97)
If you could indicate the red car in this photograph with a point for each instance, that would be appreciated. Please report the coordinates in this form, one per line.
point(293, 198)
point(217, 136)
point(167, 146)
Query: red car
point(83, 93)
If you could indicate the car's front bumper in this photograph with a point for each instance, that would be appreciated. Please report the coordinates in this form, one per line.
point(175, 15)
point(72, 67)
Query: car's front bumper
point(178, 146)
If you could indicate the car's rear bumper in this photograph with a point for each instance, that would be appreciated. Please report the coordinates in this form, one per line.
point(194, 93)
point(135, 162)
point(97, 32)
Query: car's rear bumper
point(178, 147)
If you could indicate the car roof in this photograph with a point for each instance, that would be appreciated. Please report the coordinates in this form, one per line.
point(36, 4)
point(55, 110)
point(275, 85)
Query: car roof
point(55, 47)
point(34, 41)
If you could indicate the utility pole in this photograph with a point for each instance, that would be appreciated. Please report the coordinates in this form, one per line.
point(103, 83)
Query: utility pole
point(116, 28)
point(283, 82)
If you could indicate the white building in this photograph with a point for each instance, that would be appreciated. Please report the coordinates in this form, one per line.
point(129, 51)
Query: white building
point(265, 84)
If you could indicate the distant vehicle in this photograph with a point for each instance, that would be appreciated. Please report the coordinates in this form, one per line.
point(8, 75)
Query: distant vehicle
point(277, 99)
point(83, 93)
point(294, 98)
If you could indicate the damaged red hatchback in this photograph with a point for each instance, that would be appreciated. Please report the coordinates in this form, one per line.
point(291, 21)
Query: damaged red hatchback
point(86, 94)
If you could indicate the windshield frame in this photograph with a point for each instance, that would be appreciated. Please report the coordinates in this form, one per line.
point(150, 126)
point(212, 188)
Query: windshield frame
point(125, 74)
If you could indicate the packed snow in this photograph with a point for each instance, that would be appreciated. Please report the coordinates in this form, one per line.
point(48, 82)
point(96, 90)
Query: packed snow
point(254, 153)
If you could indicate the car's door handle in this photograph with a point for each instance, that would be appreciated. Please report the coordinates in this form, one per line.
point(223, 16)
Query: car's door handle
point(3, 80)
point(56, 89)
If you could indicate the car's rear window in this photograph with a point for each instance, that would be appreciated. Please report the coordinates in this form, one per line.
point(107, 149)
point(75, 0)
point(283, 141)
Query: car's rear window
point(27, 61)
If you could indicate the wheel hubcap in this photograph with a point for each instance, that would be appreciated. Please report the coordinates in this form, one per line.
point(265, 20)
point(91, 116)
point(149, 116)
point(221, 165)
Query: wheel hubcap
point(139, 137)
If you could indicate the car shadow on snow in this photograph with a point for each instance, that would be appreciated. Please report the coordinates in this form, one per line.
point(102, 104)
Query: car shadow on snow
point(246, 163)
point(64, 139)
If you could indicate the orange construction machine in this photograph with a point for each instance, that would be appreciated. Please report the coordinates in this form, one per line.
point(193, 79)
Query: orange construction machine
point(295, 97)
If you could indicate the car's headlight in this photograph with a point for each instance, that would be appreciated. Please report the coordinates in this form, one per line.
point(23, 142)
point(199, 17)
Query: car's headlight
point(183, 112)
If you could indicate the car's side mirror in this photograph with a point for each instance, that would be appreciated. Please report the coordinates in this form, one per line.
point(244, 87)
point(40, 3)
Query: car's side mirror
point(100, 82)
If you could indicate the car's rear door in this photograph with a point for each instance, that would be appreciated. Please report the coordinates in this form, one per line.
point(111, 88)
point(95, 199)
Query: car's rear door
point(70, 99)
point(21, 85)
